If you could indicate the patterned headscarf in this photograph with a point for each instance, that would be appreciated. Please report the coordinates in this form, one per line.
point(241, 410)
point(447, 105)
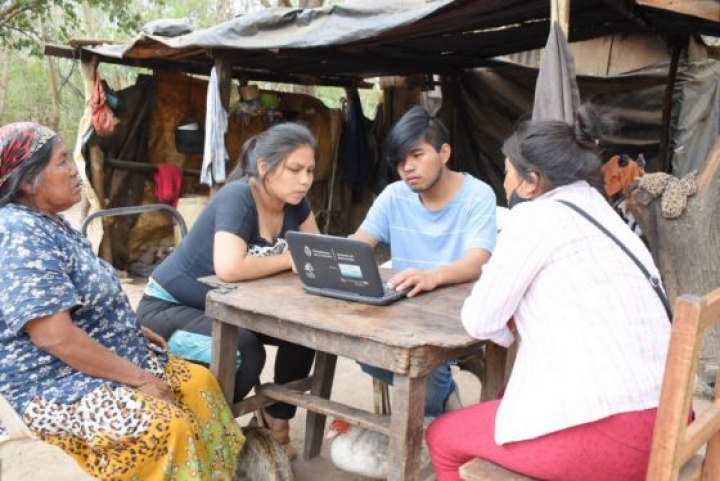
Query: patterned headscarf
point(18, 142)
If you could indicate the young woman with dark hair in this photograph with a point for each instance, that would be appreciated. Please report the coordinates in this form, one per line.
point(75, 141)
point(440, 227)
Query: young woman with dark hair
point(582, 398)
point(240, 236)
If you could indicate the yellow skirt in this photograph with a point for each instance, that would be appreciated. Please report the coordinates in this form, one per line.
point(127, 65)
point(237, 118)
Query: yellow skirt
point(123, 434)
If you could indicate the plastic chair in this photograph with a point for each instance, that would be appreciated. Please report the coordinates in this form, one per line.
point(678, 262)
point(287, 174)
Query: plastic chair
point(676, 452)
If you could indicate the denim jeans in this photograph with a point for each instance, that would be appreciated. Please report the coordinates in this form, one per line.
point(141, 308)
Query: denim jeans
point(440, 385)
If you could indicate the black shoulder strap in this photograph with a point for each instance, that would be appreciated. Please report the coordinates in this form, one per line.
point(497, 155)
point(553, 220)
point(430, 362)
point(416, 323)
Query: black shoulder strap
point(654, 281)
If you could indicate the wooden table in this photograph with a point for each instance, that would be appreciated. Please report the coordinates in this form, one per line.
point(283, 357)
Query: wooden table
point(410, 338)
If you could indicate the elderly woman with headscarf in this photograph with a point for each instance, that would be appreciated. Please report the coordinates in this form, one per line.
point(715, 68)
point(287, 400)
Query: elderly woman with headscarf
point(74, 362)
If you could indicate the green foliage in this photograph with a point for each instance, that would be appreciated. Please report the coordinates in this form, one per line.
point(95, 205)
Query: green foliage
point(27, 80)
point(28, 92)
point(29, 97)
point(334, 97)
point(26, 24)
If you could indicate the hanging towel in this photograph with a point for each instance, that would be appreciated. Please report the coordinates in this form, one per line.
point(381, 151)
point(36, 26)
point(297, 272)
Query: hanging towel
point(216, 121)
point(168, 183)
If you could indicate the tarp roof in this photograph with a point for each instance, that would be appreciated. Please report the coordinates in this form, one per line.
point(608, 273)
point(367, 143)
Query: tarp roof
point(366, 38)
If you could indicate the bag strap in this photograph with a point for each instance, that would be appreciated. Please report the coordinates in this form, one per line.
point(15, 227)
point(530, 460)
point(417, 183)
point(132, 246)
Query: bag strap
point(654, 280)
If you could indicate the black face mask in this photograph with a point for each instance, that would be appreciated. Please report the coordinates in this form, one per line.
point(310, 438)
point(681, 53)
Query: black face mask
point(515, 199)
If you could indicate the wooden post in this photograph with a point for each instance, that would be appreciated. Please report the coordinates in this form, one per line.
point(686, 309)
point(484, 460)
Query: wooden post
point(685, 250)
point(664, 158)
point(223, 69)
point(560, 12)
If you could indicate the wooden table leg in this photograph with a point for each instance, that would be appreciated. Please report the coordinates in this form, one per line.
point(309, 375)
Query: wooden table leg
point(494, 382)
point(224, 351)
point(406, 438)
point(322, 381)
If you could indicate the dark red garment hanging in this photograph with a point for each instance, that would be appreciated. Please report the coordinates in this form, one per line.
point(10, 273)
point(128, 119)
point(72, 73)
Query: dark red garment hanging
point(168, 183)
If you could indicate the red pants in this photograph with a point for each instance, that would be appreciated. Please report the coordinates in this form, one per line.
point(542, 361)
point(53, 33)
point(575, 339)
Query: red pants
point(616, 448)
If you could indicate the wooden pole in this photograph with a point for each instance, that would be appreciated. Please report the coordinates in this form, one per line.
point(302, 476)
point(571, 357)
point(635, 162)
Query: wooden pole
point(664, 158)
point(224, 75)
point(560, 12)
point(145, 167)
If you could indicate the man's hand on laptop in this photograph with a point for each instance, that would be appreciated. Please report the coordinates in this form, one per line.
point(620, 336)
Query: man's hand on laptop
point(414, 281)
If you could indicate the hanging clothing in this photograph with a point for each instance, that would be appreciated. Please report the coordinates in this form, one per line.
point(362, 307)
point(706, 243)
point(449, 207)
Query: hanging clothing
point(354, 150)
point(619, 175)
point(556, 92)
point(168, 183)
point(216, 123)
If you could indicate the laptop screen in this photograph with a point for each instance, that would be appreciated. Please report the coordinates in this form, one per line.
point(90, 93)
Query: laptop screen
point(332, 262)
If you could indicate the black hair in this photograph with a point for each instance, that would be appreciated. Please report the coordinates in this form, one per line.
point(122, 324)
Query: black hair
point(559, 152)
point(26, 172)
point(273, 145)
point(415, 125)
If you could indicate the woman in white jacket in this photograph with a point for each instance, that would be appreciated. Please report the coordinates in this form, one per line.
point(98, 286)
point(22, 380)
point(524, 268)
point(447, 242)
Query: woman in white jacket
point(582, 398)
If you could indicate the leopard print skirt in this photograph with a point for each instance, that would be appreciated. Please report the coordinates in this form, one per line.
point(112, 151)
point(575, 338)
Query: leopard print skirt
point(118, 433)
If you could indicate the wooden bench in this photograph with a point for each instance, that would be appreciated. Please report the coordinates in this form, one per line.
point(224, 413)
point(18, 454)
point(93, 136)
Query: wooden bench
point(482, 470)
point(676, 451)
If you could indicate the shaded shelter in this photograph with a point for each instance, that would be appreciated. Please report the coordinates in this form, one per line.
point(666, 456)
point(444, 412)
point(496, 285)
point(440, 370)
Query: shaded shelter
point(345, 44)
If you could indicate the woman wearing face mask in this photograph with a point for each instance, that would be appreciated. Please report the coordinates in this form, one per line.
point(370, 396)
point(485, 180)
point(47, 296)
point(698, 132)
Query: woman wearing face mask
point(582, 398)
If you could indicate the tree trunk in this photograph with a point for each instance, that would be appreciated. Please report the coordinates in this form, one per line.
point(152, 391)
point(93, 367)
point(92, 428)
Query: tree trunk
point(225, 10)
point(686, 249)
point(311, 3)
point(54, 120)
point(4, 78)
point(46, 25)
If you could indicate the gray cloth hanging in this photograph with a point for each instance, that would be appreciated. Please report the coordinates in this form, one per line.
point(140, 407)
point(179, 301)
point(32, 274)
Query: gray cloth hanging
point(556, 91)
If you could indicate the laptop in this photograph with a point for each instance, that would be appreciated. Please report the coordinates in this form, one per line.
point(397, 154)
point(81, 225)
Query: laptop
point(339, 267)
